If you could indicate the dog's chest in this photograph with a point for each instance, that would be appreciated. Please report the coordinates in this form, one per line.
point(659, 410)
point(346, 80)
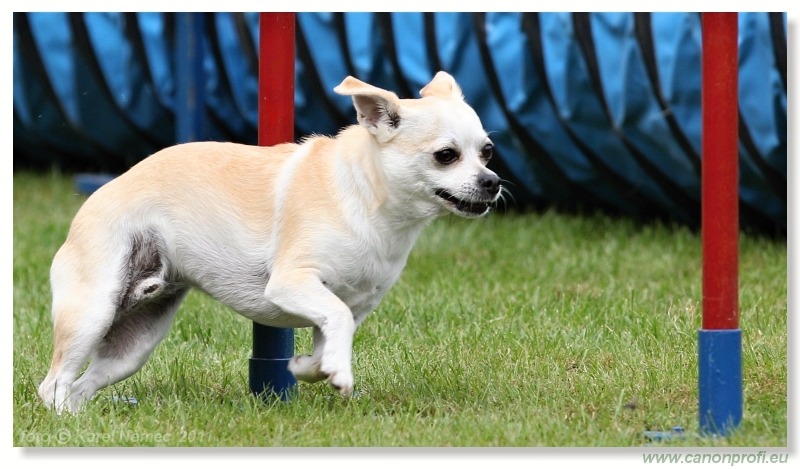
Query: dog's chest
point(362, 287)
point(361, 279)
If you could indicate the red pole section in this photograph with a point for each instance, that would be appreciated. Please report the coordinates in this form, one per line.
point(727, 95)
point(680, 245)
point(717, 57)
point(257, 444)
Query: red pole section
point(276, 79)
point(273, 347)
point(720, 172)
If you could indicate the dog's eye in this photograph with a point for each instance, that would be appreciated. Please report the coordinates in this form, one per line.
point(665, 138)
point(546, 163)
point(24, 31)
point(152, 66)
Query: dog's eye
point(446, 156)
point(487, 151)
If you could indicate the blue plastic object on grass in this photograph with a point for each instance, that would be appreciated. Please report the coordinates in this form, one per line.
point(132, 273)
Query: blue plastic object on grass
point(88, 183)
point(659, 436)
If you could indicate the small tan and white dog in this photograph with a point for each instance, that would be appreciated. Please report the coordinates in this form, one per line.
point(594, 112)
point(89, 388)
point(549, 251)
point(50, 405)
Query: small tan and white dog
point(295, 235)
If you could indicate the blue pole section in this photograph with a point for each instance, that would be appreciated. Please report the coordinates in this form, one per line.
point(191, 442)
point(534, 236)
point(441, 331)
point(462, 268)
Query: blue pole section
point(720, 380)
point(273, 347)
point(190, 121)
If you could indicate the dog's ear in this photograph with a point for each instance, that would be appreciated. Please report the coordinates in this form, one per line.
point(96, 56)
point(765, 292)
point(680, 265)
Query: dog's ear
point(378, 110)
point(444, 86)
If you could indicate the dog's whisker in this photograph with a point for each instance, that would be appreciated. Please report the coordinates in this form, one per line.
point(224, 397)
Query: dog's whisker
point(505, 192)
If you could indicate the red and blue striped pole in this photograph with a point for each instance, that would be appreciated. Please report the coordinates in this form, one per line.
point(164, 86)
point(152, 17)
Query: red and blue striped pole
point(273, 347)
point(720, 339)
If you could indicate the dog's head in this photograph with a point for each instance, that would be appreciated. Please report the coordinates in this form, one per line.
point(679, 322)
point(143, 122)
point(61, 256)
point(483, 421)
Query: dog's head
point(434, 149)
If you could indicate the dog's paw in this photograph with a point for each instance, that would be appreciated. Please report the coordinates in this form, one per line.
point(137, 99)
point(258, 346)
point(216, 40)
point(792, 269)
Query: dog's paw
point(56, 397)
point(75, 405)
point(47, 393)
point(306, 368)
point(343, 382)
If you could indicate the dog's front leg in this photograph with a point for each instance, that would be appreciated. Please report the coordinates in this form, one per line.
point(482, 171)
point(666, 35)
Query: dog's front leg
point(303, 294)
point(307, 367)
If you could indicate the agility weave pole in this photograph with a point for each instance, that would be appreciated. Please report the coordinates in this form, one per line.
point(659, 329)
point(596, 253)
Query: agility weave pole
point(720, 339)
point(273, 347)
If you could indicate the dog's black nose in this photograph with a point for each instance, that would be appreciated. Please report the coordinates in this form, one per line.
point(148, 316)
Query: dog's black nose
point(489, 182)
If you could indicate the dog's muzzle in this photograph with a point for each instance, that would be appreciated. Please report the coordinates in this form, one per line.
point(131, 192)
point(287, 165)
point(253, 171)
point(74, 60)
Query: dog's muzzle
point(464, 206)
point(479, 200)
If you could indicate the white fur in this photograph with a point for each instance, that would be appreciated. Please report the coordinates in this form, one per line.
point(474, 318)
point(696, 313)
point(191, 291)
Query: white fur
point(308, 235)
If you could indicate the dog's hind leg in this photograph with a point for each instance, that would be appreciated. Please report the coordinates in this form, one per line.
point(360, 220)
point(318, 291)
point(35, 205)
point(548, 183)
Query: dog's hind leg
point(83, 310)
point(127, 345)
point(114, 308)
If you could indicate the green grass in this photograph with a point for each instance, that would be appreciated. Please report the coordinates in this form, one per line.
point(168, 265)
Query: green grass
point(515, 330)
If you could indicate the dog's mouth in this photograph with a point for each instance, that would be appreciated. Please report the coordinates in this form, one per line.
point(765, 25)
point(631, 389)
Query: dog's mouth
point(464, 207)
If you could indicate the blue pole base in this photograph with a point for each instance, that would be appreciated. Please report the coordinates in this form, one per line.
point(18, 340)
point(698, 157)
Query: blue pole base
point(720, 380)
point(270, 377)
point(269, 366)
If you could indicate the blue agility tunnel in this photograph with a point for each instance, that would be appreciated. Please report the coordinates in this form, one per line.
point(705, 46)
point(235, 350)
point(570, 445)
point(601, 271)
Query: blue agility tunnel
point(588, 111)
